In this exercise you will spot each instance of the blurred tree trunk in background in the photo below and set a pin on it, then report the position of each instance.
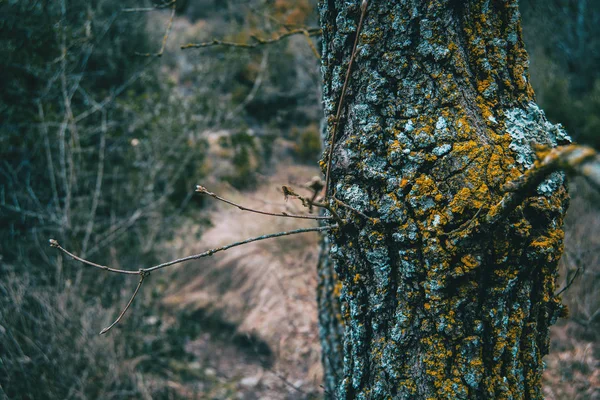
(563, 38)
(438, 116)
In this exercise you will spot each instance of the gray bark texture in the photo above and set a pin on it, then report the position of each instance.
(422, 297)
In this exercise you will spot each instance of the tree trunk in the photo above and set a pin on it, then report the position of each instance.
(438, 117)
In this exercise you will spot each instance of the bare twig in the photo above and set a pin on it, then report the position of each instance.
(54, 243)
(290, 27)
(137, 289)
(203, 190)
(143, 273)
(311, 44)
(97, 106)
(229, 246)
(166, 35)
(568, 285)
(148, 9)
(363, 11)
(49, 160)
(207, 253)
(259, 41)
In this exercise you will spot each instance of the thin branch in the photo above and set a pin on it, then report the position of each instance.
(51, 173)
(311, 45)
(574, 159)
(352, 209)
(568, 285)
(259, 41)
(55, 244)
(207, 253)
(98, 187)
(148, 9)
(226, 247)
(203, 190)
(137, 289)
(117, 92)
(289, 27)
(255, 87)
(363, 11)
(165, 37)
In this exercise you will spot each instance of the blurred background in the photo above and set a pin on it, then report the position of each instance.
(107, 126)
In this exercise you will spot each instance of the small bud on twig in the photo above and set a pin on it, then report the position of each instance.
(53, 243)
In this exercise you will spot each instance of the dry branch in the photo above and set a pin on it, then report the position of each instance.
(166, 35)
(573, 159)
(203, 190)
(363, 11)
(135, 292)
(258, 41)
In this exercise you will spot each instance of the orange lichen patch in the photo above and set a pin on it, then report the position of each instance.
(395, 146)
(337, 289)
(434, 356)
(483, 85)
(467, 264)
(548, 245)
(486, 107)
(495, 172)
(403, 183)
(469, 148)
(377, 236)
(467, 198)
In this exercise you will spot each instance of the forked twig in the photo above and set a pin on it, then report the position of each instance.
(203, 190)
(306, 202)
(144, 272)
(570, 281)
(363, 11)
(207, 253)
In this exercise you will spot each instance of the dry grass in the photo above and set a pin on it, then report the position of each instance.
(265, 289)
(574, 360)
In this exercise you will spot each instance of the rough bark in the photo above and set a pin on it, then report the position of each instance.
(438, 117)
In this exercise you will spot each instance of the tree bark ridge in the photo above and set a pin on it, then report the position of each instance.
(439, 115)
